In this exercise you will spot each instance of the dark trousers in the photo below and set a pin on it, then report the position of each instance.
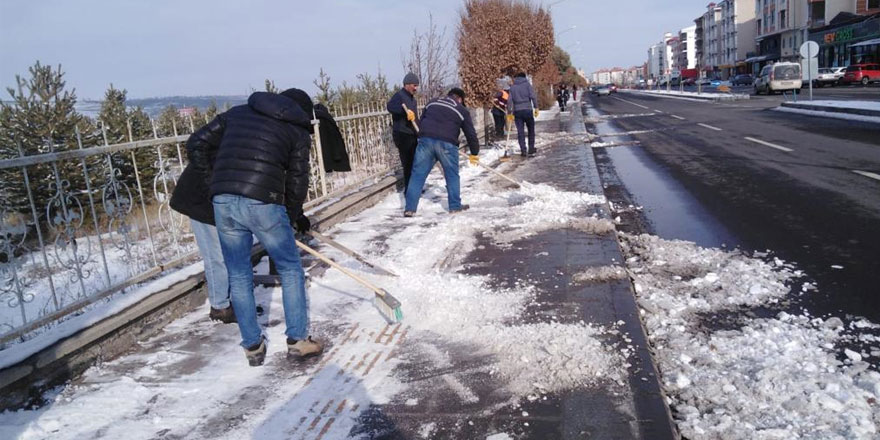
(498, 115)
(527, 118)
(561, 104)
(406, 148)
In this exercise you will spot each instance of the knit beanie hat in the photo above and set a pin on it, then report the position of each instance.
(410, 78)
(300, 97)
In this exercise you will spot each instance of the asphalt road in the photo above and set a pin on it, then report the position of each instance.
(797, 185)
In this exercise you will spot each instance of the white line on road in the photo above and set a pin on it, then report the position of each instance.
(768, 144)
(677, 117)
(657, 111)
(630, 102)
(708, 126)
(867, 174)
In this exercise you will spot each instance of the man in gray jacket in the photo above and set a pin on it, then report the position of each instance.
(523, 105)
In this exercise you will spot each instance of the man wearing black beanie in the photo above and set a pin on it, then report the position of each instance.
(402, 131)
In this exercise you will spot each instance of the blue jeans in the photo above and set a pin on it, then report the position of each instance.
(238, 220)
(428, 152)
(215, 270)
(527, 118)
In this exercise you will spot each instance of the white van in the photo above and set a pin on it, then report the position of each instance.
(778, 77)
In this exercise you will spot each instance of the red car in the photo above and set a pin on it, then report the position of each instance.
(861, 73)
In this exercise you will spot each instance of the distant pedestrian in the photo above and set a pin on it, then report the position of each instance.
(561, 96)
(402, 131)
(499, 107)
(574, 92)
(444, 119)
(524, 107)
(259, 182)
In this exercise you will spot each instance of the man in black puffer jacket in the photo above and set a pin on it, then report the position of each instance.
(259, 182)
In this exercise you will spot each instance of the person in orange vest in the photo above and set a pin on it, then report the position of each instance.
(499, 107)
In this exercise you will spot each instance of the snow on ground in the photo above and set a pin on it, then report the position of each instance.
(769, 378)
(836, 115)
(861, 105)
(694, 95)
(193, 381)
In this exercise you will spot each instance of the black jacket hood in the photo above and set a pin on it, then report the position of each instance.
(279, 107)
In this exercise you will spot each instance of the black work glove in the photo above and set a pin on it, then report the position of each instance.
(302, 224)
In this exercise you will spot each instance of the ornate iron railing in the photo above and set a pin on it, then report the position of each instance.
(107, 227)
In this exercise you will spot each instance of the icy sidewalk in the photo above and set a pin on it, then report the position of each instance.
(519, 322)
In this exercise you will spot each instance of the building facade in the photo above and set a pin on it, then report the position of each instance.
(686, 49)
(737, 36)
(847, 38)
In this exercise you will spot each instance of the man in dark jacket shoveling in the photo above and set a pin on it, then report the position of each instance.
(441, 123)
(259, 183)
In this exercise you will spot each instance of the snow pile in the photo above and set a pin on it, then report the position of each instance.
(854, 104)
(599, 274)
(463, 309)
(778, 378)
(835, 115)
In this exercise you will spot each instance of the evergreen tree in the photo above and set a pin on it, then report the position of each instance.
(270, 86)
(41, 118)
(121, 125)
(211, 112)
(326, 94)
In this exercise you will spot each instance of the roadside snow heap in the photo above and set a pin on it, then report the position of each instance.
(776, 378)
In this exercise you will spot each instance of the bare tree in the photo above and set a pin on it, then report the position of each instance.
(431, 59)
(500, 37)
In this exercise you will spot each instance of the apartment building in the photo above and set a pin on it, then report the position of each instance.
(847, 31)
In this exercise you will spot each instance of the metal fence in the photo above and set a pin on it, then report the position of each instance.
(94, 233)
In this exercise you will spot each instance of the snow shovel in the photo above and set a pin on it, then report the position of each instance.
(506, 157)
(414, 123)
(388, 305)
(497, 173)
(328, 241)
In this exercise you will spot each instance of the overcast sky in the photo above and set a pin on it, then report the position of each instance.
(200, 47)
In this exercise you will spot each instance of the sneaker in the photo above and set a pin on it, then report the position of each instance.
(532, 153)
(463, 208)
(256, 354)
(226, 316)
(409, 213)
(304, 348)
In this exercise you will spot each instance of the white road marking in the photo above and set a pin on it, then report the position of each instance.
(630, 102)
(768, 144)
(708, 126)
(677, 117)
(657, 111)
(868, 174)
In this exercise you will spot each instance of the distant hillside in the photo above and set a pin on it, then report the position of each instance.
(154, 106)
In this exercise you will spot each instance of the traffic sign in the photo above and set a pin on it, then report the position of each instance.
(809, 49)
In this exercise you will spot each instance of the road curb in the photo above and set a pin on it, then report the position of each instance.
(656, 421)
(831, 109)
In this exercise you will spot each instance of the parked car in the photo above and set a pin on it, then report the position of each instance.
(704, 81)
(778, 77)
(861, 73)
(689, 81)
(613, 88)
(829, 76)
(743, 79)
(602, 91)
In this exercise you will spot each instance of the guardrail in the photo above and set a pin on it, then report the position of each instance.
(97, 221)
